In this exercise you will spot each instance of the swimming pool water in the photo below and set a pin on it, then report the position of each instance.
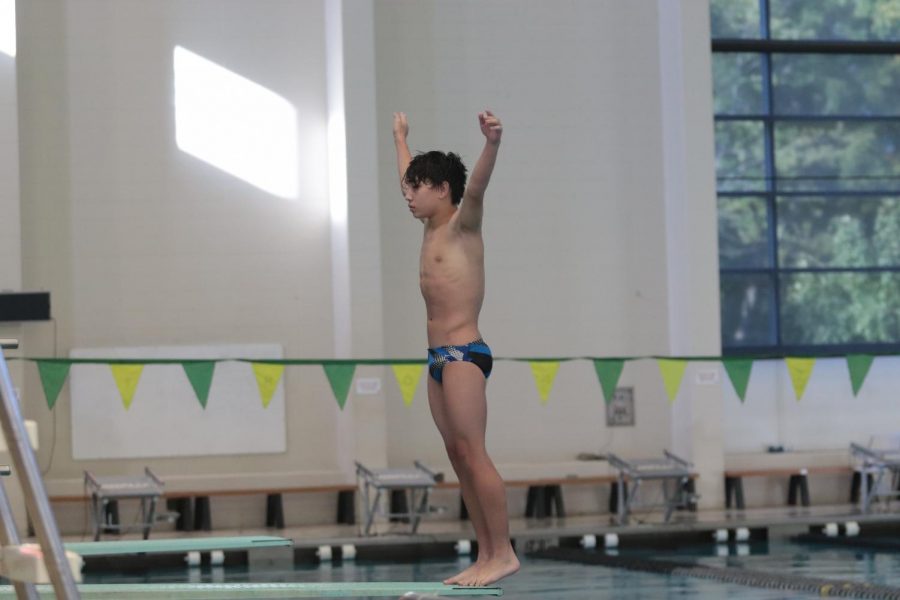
(566, 581)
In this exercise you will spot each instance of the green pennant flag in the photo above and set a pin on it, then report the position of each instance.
(127, 377)
(340, 376)
(800, 369)
(53, 376)
(672, 373)
(858, 365)
(738, 370)
(608, 372)
(200, 375)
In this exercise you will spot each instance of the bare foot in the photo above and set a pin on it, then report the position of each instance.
(492, 571)
(464, 574)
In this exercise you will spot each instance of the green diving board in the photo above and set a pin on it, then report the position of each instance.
(176, 545)
(222, 591)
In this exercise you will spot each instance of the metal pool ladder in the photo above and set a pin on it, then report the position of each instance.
(26, 467)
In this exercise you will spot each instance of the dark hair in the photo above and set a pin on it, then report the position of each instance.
(434, 168)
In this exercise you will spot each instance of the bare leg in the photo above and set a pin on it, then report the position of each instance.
(464, 417)
(476, 517)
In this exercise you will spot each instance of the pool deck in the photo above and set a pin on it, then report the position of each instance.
(640, 525)
(444, 534)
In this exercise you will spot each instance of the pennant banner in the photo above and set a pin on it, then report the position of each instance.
(53, 377)
(858, 365)
(127, 377)
(340, 376)
(200, 375)
(53, 373)
(608, 373)
(408, 377)
(800, 370)
(672, 374)
(267, 378)
(738, 370)
(544, 373)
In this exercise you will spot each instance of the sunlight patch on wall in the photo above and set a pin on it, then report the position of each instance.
(8, 27)
(235, 124)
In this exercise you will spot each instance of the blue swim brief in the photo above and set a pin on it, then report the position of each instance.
(477, 353)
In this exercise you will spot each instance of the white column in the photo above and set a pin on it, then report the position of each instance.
(356, 244)
(10, 220)
(692, 237)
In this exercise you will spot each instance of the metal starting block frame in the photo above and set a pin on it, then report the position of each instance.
(418, 482)
(103, 490)
(884, 467)
(672, 472)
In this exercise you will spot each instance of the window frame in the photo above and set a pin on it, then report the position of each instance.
(766, 47)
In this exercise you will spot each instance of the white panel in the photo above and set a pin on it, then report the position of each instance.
(165, 417)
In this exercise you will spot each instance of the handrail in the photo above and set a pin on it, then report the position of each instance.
(26, 466)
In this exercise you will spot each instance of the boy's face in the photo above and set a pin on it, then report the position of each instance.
(425, 199)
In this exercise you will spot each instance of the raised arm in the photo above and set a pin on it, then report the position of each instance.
(401, 130)
(472, 207)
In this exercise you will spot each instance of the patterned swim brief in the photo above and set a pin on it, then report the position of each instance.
(477, 353)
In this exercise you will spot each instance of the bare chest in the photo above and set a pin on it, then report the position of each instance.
(442, 252)
(448, 260)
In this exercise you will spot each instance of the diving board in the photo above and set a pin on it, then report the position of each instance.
(177, 545)
(228, 591)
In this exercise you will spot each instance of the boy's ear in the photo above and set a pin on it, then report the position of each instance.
(445, 189)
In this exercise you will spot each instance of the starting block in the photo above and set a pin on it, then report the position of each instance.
(103, 490)
(418, 482)
(671, 471)
(882, 465)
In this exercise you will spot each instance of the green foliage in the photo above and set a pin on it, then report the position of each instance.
(743, 233)
(837, 231)
(734, 18)
(740, 156)
(835, 19)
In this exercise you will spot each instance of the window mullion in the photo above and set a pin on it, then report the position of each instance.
(771, 184)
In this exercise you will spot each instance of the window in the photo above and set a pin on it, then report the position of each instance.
(807, 114)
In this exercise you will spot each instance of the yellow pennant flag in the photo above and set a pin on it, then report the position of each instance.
(672, 373)
(267, 378)
(800, 370)
(408, 377)
(126, 377)
(544, 372)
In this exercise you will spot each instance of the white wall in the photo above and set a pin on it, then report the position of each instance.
(827, 417)
(142, 243)
(691, 237)
(157, 247)
(575, 217)
(600, 222)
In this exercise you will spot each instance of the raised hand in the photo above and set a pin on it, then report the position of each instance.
(490, 126)
(401, 127)
(401, 130)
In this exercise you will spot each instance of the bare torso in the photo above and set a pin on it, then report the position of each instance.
(451, 277)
